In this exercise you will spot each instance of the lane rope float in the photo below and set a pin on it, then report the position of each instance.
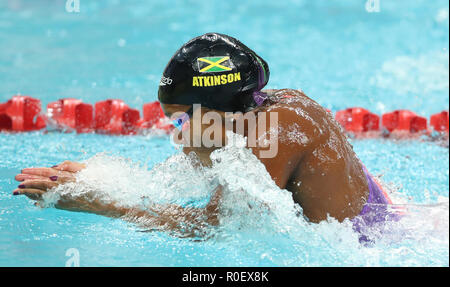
(114, 116)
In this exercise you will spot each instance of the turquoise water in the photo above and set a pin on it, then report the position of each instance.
(335, 51)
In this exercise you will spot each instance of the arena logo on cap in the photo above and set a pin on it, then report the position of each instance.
(165, 81)
(214, 64)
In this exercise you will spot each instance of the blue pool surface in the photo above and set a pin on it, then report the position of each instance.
(335, 51)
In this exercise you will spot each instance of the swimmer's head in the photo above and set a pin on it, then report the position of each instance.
(216, 71)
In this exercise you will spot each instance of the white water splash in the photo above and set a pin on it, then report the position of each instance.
(259, 218)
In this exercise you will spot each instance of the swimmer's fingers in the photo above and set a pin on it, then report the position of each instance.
(22, 177)
(70, 166)
(62, 179)
(58, 179)
(31, 193)
(46, 172)
(43, 184)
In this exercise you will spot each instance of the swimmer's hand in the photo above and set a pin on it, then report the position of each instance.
(38, 180)
(35, 182)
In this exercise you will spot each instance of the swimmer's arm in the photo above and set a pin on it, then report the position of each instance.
(289, 151)
(174, 217)
(35, 182)
(168, 215)
(164, 216)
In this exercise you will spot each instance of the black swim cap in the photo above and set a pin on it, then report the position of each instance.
(216, 71)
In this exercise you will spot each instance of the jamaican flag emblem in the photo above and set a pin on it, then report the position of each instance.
(214, 64)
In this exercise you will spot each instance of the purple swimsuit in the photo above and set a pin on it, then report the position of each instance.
(375, 212)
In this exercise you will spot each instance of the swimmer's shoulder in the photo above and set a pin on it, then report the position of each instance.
(293, 100)
(276, 95)
(294, 107)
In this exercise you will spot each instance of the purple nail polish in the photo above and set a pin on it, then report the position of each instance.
(54, 166)
(15, 193)
(22, 186)
(53, 178)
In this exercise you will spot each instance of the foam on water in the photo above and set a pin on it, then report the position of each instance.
(258, 216)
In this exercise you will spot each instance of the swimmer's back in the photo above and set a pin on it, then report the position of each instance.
(315, 161)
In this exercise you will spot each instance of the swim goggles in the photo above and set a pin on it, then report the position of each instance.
(181, 120)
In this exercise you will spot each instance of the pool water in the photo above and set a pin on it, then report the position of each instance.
(335, 51)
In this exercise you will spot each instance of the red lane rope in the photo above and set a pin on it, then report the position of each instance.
(23, 113)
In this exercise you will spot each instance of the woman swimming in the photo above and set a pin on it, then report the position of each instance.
(215, 76)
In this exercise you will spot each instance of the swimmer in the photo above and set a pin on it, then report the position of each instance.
(314, 160)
